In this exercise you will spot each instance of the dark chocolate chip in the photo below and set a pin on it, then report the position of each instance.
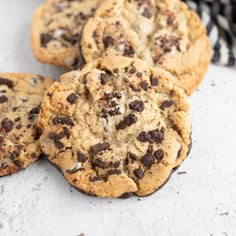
(75, 170)
(153, 136)
(19, 126)
(139, 173)
(132, 70)
(128, 120)
(66, 132)
(133, 157)
(116, 164)
(147, 160)
(58, 144)
(139, 75)
(129, 51)
(166, 104)
(95, 178)
(63, 120)
(33, 155)
(159, 154)
(154, 81)
(137, 106)
(45, 39)
(17, 119)
(121, 125)
(38, 133)
(19, 163)
(114, 172)
(144, 85)
(146, 13)
(104, 77)
(34, 111)
(81, 157)
(7, 125)
(108, 41)
(101, 164)
(3, 99)
(6, 82)
(56, 136)
(72, 98)
(99, 147)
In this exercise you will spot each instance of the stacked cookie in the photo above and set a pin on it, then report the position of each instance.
(119, 125)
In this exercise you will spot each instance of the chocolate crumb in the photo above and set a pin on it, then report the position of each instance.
(182, 173)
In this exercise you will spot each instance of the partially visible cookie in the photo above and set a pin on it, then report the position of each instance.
(20, 100)
(56, 30)
(163, 33)
(115, 127)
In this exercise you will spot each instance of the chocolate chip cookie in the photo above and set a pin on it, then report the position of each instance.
(163, 33)
(115, 127)
(56, 30)
(20, 100)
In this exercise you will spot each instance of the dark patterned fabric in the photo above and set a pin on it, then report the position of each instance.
(219, 17)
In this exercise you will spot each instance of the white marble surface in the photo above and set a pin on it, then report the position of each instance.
(38, 201)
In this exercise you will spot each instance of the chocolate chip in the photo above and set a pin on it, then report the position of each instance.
(33, 155)
(6, 82)
(108, 41)
(137, 106)
(154, 81)
(58, 144)
(81, 157)
(19, 163)
(116, 164)
(45, 39)
(72, 98)
(38, 133)
(99, 147)
(56, 136)
(159, 154)
(133, 157)
(17, 119)
(129, 51)
(34, 111)
(71, 39)
(146, 13)
(63, 120)
(166, 104)
(144, 85)
(139, 173)
(139, 75)
(147, 160)
(7, 125)
(66, 132)
(101, 164)
(75, 170)
(19, 126)
(128, 120)
(132, 70)
(3, 99)
(153, 136)
(104, 77)
(95, 178)
(114, 172)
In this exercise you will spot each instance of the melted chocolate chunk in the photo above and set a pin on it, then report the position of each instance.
(45, 39)
(159, 154)
(114, 172)
(63, 120)
(104, 77)
(137, 106)
(108, 41)
(3, 99)
(139, 173)
(153, 136)
(7, 125)
(154, 81)
(144, 85)
(6, 82)
(72, 98)
(81, 157)
(95, 178)
(129, 51)
(147, 160)
(99, 147)
(166, 104)
(101, 164)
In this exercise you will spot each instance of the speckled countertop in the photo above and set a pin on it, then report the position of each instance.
(200, 202)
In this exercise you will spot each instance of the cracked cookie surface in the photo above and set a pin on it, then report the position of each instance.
(56, 30)
(20, 100)
(163, 33)
(115, 127)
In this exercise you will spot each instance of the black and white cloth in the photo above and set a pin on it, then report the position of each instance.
(219, 17)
